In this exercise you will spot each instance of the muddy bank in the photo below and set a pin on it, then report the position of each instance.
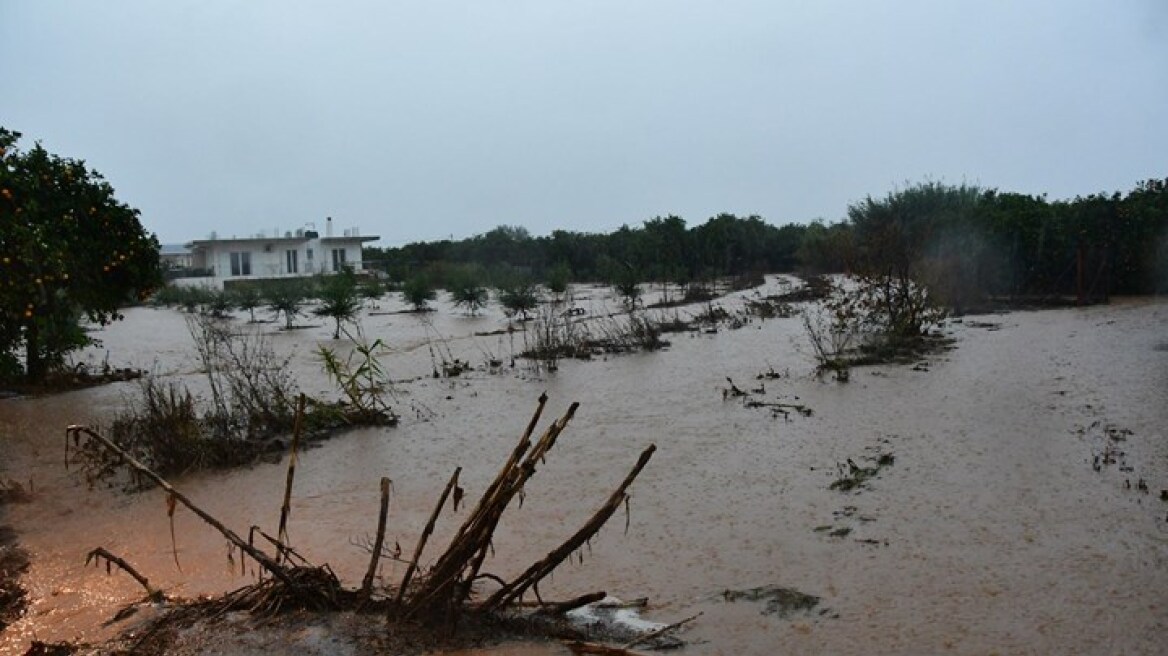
(991, 531)
(13, 560)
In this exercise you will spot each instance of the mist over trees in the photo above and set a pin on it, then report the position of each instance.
(964, 243)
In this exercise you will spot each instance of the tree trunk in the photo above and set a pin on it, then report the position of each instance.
(34, 365)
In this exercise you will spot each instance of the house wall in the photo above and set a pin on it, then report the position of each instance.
(269, 258)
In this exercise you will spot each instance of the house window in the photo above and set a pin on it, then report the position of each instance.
(293, 258)
(241, 264)
(338, 259)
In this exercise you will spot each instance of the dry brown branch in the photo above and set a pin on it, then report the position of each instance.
(516, 454)
(367, 584)
(582, 648)
(561, 607)
(539, 570)
(282, 532)
(289, 552)
(263, 559)
(660, 632)
(413, 566)
(448, 585)
(100, 553)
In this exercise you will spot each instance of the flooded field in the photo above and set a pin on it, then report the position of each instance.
(990, 527)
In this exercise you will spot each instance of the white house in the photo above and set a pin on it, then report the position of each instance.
(301, 253)
(174, 256)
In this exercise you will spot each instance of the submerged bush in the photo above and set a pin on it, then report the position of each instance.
(870, 320)
(164, 430)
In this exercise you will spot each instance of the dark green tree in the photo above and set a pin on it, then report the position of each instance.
(340, 299)
(418, 293)
(286, 297)
(470, 296)
(628, 286)
(247, 297)
(558, 278)
(518, 298)
(913, 247)
(68, 248)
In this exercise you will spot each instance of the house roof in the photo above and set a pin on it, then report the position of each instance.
(173, 249)
(362, 238)
(204, 243)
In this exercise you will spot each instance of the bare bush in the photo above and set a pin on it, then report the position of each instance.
(252, 391)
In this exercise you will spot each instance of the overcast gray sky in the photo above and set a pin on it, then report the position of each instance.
(422, 120)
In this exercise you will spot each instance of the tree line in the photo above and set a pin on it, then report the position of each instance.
(70, 250)
(970, 243)
(662, 249)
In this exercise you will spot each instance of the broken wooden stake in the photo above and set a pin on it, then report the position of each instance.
(282, 532)
(367, 584)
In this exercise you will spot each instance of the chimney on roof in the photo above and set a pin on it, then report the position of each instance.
(328, 227)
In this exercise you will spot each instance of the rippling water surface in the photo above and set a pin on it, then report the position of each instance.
(991, 532)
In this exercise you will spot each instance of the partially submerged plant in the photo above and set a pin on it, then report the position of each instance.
(519, 298)
(340, 299)
(418, 293)
(286, 297)
(361, 378)
(470, 296)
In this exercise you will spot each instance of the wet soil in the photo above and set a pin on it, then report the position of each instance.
(13, 560)
(992, 531)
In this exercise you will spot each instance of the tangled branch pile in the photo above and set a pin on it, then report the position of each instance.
(436, 596)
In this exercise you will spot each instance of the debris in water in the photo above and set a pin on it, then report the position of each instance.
(780, 601)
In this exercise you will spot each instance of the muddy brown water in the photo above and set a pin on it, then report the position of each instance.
(991, 532)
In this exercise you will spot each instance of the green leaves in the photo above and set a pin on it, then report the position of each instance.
(68, 245)
(340, 299)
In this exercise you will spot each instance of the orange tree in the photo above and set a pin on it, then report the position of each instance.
(68, 249)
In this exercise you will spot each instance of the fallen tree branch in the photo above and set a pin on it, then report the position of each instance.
(562, 607)
(413, 566)
(539, 570)
(100, 553)
(582, 648)
(448, 585)
(660, 632)
(260, 557)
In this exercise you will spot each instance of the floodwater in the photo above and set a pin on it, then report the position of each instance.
(992, 532)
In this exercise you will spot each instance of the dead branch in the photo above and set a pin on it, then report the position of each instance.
(660, 632)
(260, 557)
(282, 532)
(449, 583)
(100, 553)
(582, 648)
(401, 591)
(289, 552)
(561, 607)
(367, 584)
(641, 602)
(539, 570)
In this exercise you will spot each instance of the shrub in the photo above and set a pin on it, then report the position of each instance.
(418, 293)
(339, 299)
(286, 297)
(518, 298)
